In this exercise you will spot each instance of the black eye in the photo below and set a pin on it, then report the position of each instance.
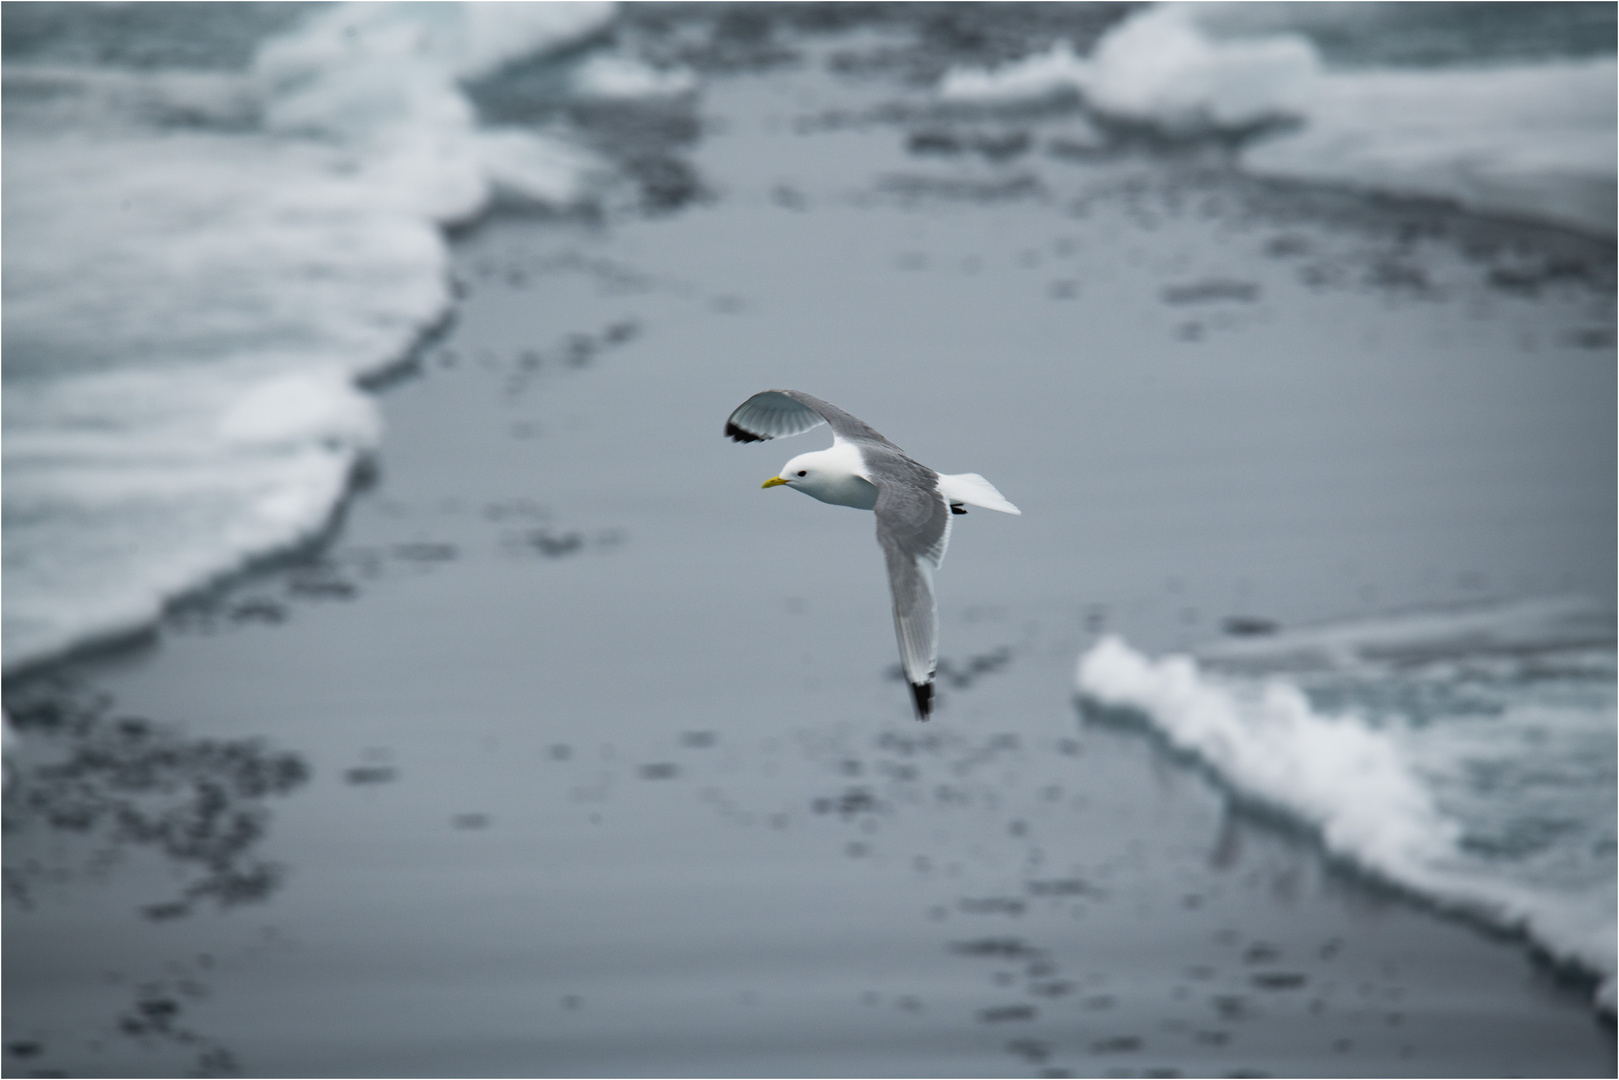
(802, 472)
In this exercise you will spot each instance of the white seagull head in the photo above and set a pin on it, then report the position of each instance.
(834, 475)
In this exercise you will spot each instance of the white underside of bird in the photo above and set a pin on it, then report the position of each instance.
(913, 505)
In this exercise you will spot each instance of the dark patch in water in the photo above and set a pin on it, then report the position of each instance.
(1029, 1049)
(992, 905)
(258, 609)
(148, 36)
(515, 509)
(1282, 247)
(962, 676)
(996, 146)
(916, 186)
(1064, 887)
(1081, 150)
(907, 744)
(1211, 290)
(622, 332)
(1001, 1014)
(1261, 952)
(1248, 626)
(1008, 947)
(126, 783)
(1529, 280)
(1601, 337)
(660, 770)
(1004, 146)
(933, 142)
(155, 1017)
(1054, 988)
(370, 774)
(851, 802)
(667, 183)
(1390, 273)
(1280, 980)
(322, 587)
(578, 350)
(554, 545)
(788, 197)
(425, 551)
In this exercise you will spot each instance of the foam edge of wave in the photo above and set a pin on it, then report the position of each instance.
(1203, 721)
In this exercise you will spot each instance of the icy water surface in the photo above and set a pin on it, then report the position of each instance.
(570, 751)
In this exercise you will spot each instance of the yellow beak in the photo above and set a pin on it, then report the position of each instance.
(774, 481)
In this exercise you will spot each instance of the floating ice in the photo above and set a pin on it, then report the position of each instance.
(1351, 783)
(1043, 75)
(198, 267)
(611, 76)
(1534, 140)
(1474, 767)
(1157, 67)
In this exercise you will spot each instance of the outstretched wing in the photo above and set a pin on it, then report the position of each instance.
(913, 529)
(775, 414)
(913, 517)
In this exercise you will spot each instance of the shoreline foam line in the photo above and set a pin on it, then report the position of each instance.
(1534, 139)
(195, 301)
(1353, 785)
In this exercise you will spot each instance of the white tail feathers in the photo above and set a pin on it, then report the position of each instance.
(974, 490)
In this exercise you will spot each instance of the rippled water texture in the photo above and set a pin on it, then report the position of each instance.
(520, 732)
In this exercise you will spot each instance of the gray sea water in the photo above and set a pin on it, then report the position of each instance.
(230, 225)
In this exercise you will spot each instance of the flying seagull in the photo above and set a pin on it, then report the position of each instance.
(914, 505)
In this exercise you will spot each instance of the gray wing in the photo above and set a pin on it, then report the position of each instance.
(913, 529)
(774, 414)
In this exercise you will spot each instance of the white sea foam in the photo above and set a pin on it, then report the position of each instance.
(198, 474)
(1350, 782)
(384, 80)
(612, 76)
(198, 267)
(1487, 789)
(1534, 140)
(1158, 67)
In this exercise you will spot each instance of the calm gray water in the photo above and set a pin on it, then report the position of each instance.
(567, 750)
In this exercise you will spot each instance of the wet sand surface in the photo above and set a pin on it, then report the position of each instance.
(574, 753)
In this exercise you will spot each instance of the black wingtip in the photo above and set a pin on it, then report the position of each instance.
(741, 436)
(923, 694)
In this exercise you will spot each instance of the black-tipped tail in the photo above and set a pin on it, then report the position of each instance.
(922, 693)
